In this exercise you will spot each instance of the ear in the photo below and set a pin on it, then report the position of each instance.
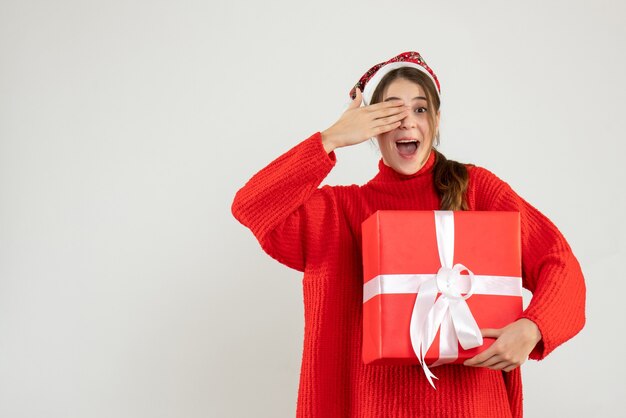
(437, 120)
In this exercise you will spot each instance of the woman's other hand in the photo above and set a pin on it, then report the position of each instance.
(512, 346)
(357, 124)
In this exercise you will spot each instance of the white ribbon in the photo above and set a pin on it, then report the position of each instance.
(386, 284)
(449, 313)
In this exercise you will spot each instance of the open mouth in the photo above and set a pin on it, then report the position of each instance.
(407, 147)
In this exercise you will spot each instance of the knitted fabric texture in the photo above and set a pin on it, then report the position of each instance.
(317, 230)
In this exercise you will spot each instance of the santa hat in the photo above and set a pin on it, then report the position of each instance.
(368, 82)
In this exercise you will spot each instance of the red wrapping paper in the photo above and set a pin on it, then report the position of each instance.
(405, 242)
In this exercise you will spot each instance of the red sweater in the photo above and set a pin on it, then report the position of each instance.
(318, 231)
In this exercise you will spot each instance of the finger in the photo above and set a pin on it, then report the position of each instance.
(480, 358)
(488, 357)
(491, 332)
(390, 111)
(501, 365)
(356, 102)
(384, 105)
(490, 361)
(390, 119)
(511, 367)
(384, 128)
(514, 364)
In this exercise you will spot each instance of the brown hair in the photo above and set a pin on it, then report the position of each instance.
(450, 177)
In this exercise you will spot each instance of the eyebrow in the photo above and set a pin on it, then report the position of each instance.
(396, 98)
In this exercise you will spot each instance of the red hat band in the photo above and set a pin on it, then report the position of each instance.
(368, 82)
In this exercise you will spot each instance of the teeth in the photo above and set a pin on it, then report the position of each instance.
(406, 141)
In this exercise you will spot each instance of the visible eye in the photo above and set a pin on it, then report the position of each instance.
(421, 110)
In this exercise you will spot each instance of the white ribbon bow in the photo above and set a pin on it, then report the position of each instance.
(450, 311)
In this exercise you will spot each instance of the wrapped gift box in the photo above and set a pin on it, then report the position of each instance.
(406, 253)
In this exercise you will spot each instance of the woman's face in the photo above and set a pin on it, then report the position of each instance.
(407, 147)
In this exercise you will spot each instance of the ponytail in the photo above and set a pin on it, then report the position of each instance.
(450, 180)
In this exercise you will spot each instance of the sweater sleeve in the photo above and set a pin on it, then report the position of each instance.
(284, 207)
(549, 268)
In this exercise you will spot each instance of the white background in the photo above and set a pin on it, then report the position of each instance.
(127, 288)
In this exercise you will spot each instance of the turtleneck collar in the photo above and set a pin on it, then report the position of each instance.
(386, 173)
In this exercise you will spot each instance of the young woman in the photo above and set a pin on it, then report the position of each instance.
(317, 230)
